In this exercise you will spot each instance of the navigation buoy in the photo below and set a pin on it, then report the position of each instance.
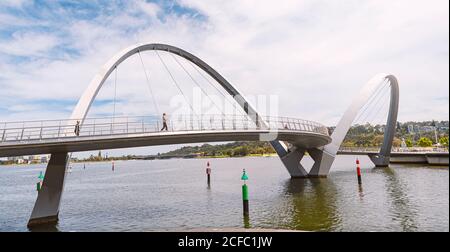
(208, 173)
(358, 171)
(245, 193)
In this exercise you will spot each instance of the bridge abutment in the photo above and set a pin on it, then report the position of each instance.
(380, 160)
(292, 163)
(322, 163)
(46, 207)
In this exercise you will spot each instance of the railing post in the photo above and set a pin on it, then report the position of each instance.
(40, 134)
(4, 132)
(223, 122)
(93, 133)
(234, 122)
(59, 129)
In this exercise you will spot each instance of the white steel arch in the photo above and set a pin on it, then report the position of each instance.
(326, 155)
(85, 102)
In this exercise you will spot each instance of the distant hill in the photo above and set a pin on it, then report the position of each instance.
(234, 149)
(363, 135)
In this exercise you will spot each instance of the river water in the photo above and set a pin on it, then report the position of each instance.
(172, 195)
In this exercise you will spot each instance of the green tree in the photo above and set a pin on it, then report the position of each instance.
(409, 142)
(377, 140)
(241, 151)
(444, 141)
(425, 142)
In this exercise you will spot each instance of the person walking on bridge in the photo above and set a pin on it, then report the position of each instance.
(164, 119)
(77, 128)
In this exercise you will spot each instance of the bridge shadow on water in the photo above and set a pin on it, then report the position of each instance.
(313, 202)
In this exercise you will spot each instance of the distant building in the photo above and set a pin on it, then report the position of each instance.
(443, 128)
(15, 159)
(44, 158)
(427, 129)
(411, 129)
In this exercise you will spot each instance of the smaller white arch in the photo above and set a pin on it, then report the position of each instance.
(360, 100)
(324, 158)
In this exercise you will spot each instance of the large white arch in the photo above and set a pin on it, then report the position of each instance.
(85, 102)
(96, 83)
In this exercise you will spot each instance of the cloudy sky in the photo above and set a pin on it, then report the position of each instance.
(313, 54)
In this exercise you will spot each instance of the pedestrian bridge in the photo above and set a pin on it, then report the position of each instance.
(291, 138)
(53, 136)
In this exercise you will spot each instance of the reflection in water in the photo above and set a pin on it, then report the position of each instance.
(246, 219)
(314, 204)
(360, 192)
(401, 207)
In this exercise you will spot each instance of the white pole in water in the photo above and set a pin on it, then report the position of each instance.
(435, 135)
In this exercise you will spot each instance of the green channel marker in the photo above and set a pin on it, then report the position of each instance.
(245, 193)
(41, 177)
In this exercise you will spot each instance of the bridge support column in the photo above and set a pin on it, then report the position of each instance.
(380, 160)
(291, 161)
(322, 163)
(46, 208)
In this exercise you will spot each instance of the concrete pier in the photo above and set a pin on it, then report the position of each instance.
(420, 158)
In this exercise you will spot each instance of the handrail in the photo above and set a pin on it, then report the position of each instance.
(108, 126)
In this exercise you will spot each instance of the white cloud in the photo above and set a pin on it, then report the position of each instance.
(13, 3)
(28, 44)
(150, 9)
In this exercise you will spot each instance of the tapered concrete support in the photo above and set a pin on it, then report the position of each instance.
(322, 163)
(46, 208)
(292, 163)
(380, 160)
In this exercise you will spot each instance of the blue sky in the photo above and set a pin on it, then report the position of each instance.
(312, 54)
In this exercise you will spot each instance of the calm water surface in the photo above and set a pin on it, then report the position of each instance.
(163, 195)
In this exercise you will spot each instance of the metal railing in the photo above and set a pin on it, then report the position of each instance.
(375, 149)
(110, 126)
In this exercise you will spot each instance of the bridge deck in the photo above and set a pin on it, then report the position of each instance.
(86, 143)
(43, 137)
